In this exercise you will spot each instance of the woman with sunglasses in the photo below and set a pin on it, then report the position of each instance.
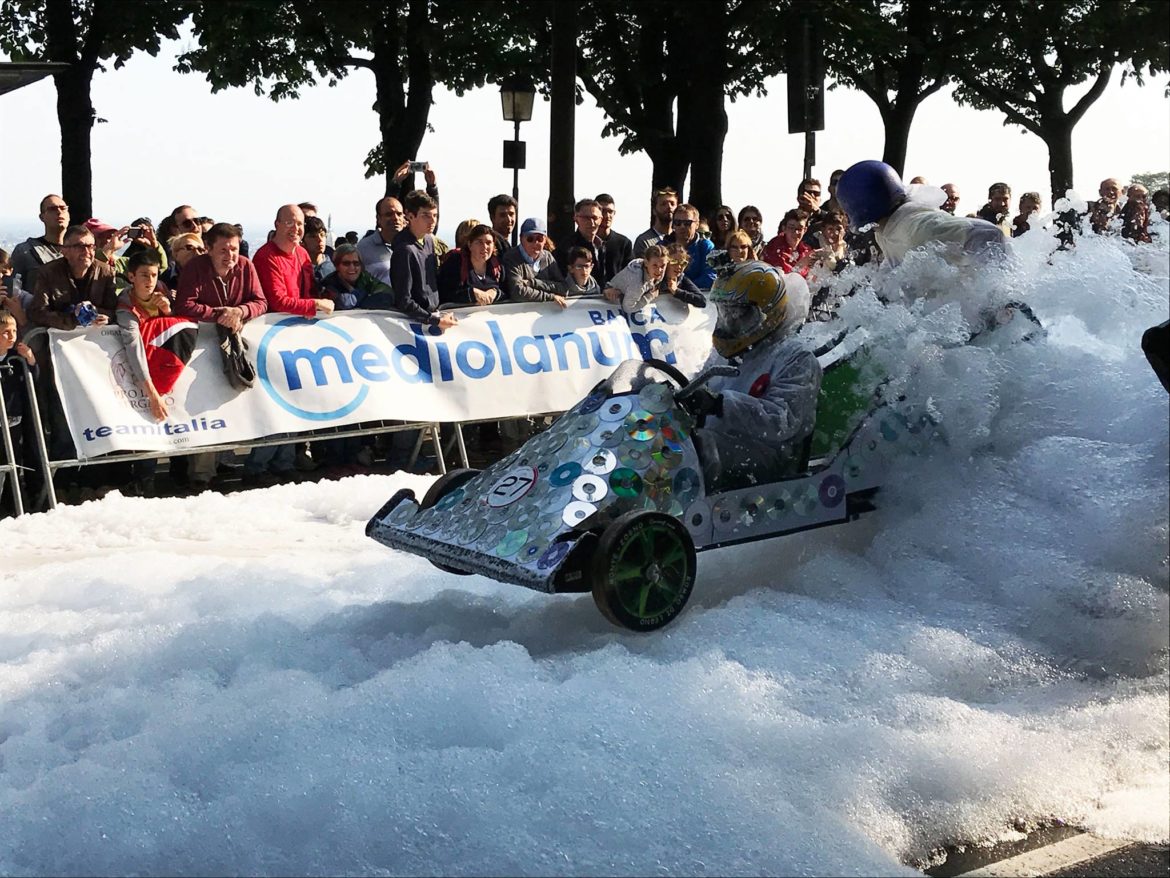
(752, 222)
(183, 249)
(722, 224)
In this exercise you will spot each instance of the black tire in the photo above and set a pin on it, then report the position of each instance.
(643, 570)
(444, 484)
(673, 372)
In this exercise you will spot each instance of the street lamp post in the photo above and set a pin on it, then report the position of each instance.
(516, 98)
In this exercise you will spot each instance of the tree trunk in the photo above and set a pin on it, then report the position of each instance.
(75, 114)
(897, 121)
(702, 116)
(670, 163)
(403, 113)
(75, 117)
(562, 116)
(1058, 137)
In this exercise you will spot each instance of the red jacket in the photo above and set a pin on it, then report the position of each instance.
(778, 253)
(200, 290)
(287, 279)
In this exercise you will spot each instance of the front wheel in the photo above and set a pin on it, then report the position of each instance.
(643, 570)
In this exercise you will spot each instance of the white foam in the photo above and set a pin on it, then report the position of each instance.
(247, 684)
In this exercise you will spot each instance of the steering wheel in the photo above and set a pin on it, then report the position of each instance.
(672, 372)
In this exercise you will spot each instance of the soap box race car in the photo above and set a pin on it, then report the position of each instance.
(611, 498)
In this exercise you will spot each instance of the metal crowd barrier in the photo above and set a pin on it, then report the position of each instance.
(427, 430)
(10, 469)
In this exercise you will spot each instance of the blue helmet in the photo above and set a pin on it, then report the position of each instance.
(870, 191)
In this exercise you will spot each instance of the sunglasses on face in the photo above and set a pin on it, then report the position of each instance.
(532, 239)
(682, 263)
(189, 223)
(682, 222)
(193, 248)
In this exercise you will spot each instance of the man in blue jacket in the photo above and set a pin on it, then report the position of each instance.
(685, 231)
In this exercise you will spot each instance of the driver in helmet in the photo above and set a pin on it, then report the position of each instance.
(753, 427)
(872, 192)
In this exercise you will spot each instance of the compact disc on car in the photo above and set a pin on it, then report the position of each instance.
(511, 486)
(583, 425)
(779, 505)
(524, 517)
(554, 442)
(667, 455)
(449, 499)
(831, 491)
(402, 512)
(471, 530)
(511, 543)
(673, 431)
(553, 555)
(804, 501)
(565, 474)
(656, 398)
(603, 461)
(635, 457)
(751, 508)
(589, 488)
(577, 511)
(641, 425)
(616, 409)
(604, 435)
(686, 485)
(625, 482)
(592, 403)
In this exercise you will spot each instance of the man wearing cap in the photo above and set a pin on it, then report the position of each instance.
(530, 271)
(110, 239)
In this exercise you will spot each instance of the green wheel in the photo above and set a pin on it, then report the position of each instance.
(445, 484)
(643, 570)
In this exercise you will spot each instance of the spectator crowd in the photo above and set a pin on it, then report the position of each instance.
(160, 282)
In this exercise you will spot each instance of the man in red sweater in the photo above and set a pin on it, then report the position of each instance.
(286, 271)
(787, 251)
(286, 275)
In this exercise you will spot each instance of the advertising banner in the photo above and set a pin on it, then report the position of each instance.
(358, 366)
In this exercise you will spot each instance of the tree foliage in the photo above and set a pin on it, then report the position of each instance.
(87, 35)
(660, 72)
(1023, 58)
(895, 53)
(409, 48)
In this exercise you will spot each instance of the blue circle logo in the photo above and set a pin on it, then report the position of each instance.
(262, 371)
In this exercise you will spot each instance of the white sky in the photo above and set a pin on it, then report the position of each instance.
(236, 156)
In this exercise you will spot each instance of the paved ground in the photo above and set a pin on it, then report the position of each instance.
(1057, 852)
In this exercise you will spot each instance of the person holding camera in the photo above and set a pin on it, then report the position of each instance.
(109, 240)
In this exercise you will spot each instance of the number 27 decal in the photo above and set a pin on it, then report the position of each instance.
(511, 486)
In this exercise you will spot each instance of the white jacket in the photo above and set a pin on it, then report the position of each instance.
(914, 224)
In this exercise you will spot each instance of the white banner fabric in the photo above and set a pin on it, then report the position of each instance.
(499, 362)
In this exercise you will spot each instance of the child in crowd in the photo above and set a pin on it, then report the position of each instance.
(580, 281)
(636, 285)
(157, 345)
(5, 270)
(12, 386)
(675, 282)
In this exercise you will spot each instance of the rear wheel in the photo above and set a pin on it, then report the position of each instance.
(442, 486)
(643, 570)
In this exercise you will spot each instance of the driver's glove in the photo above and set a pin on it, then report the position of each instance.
(703, 402)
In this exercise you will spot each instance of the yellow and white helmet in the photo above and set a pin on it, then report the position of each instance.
(752, 301)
